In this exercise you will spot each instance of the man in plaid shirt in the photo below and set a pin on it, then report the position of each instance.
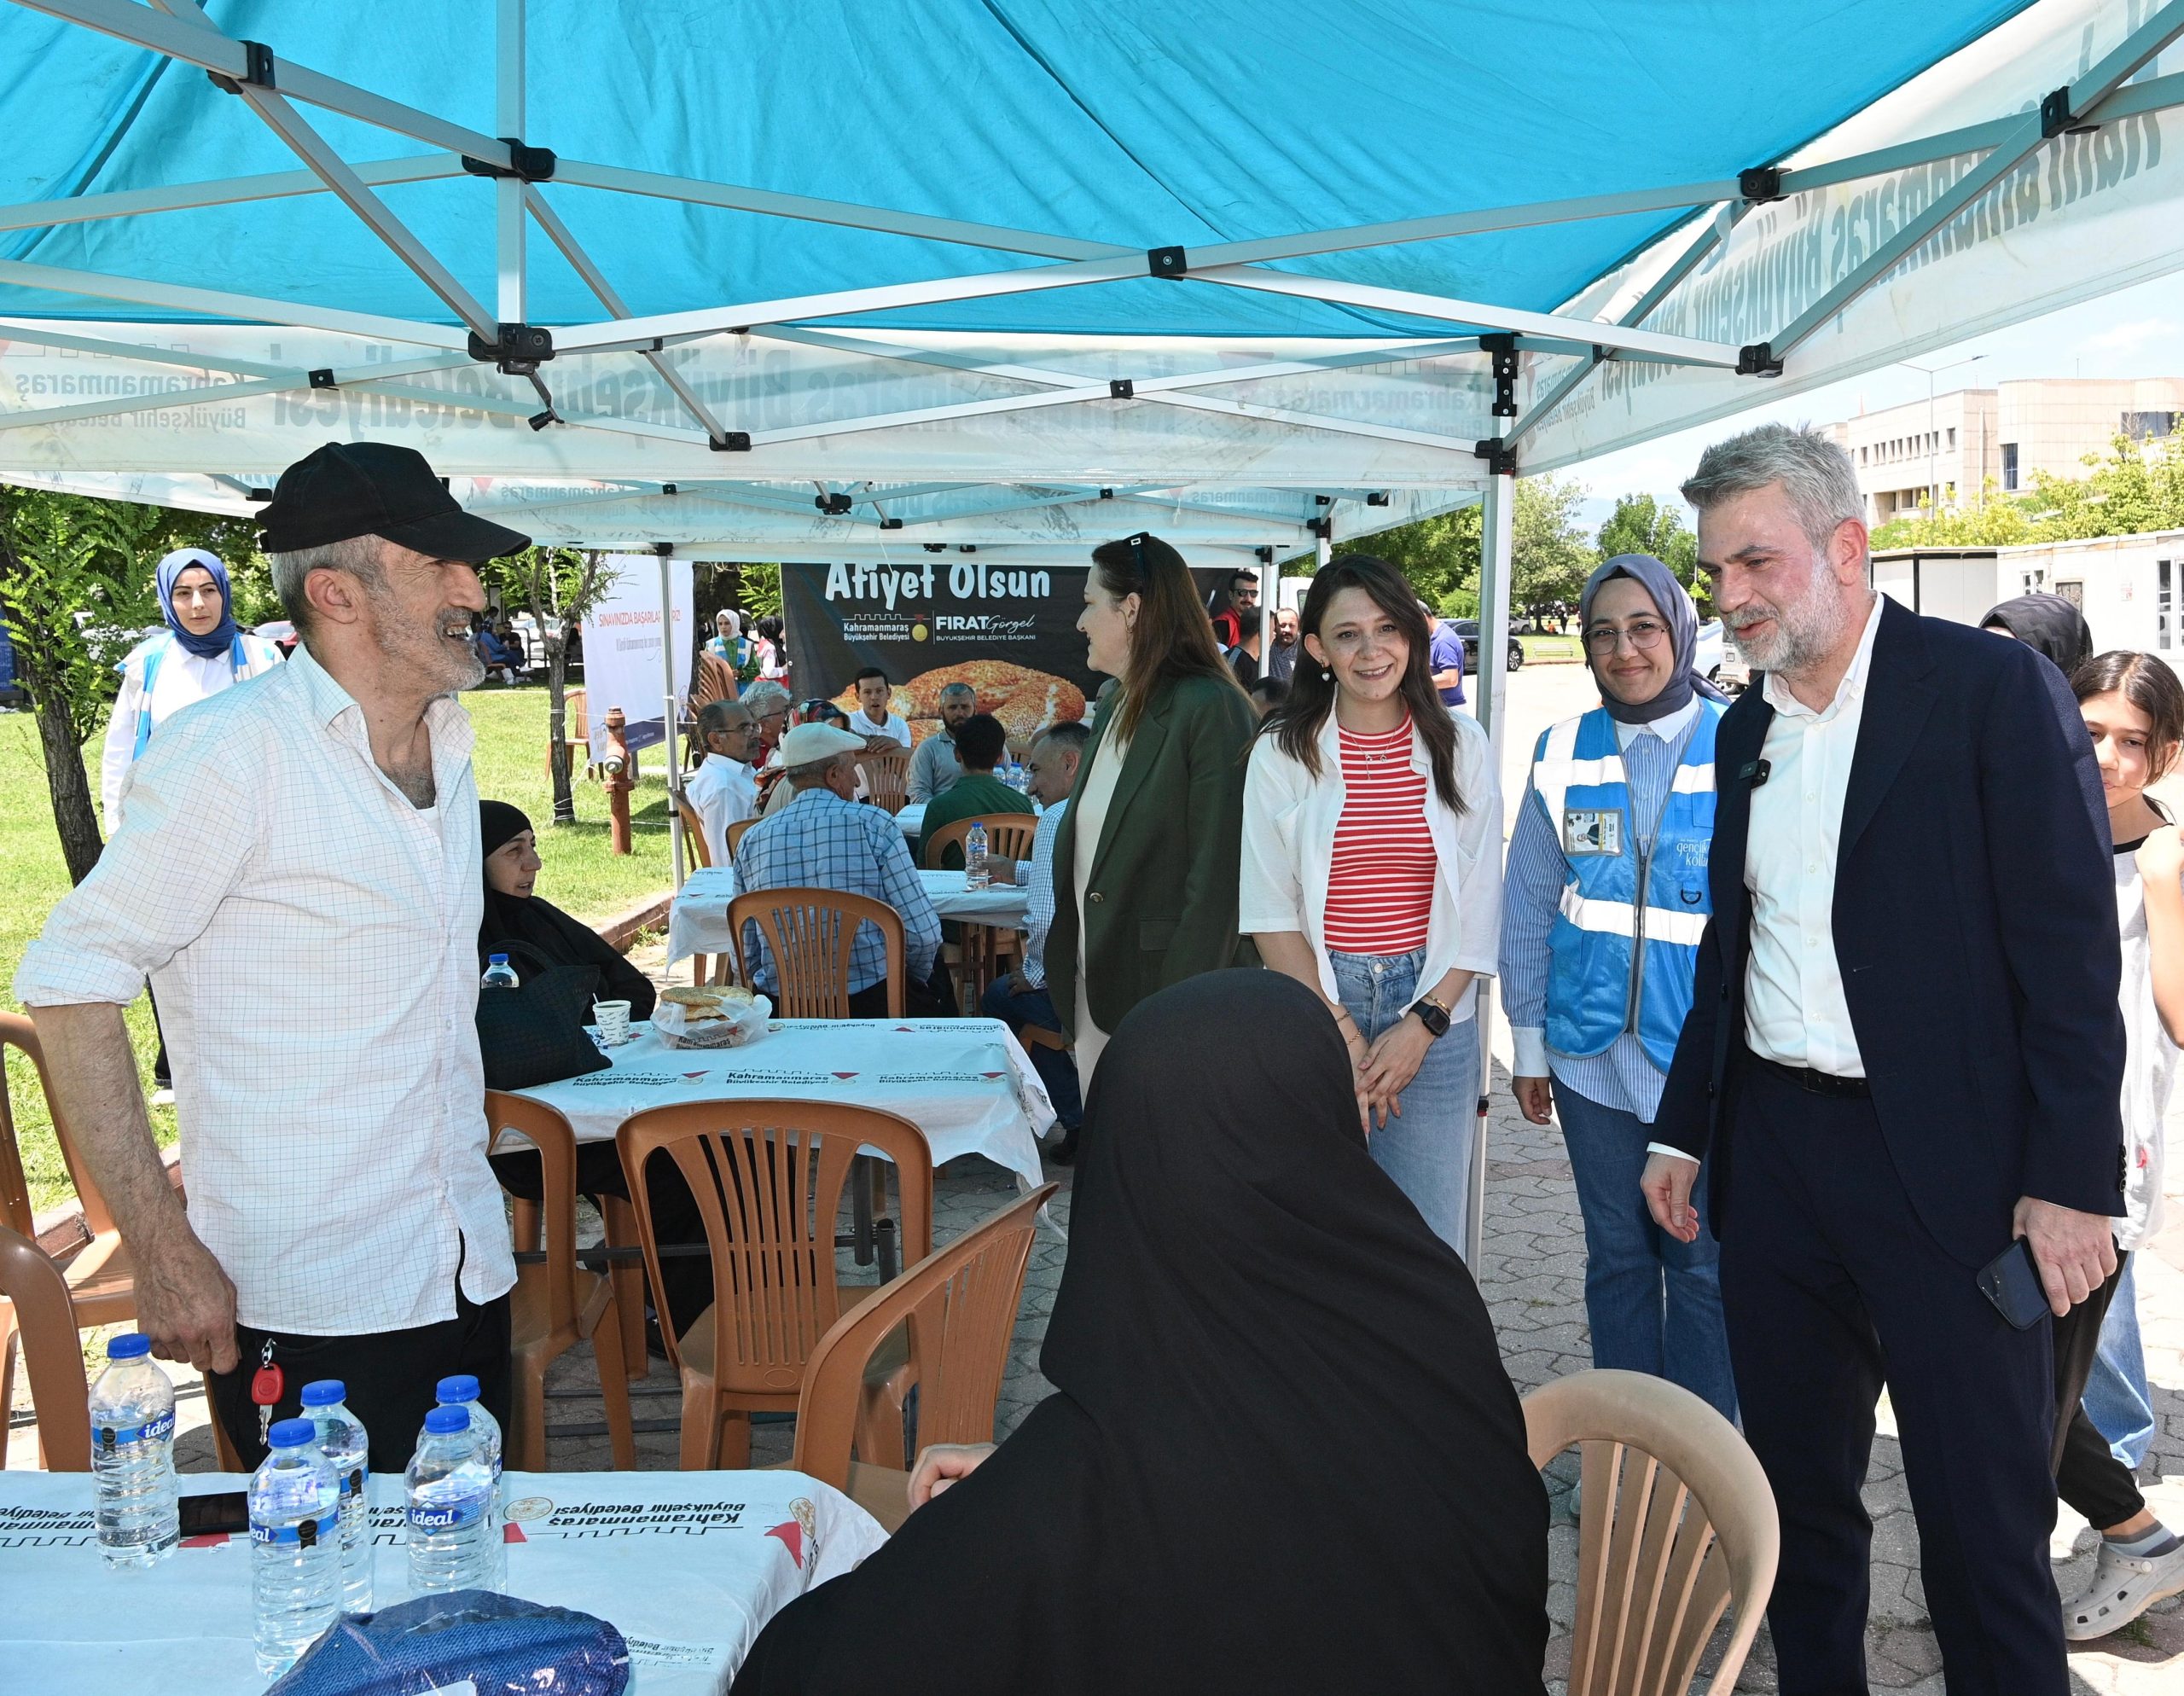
(824, 839)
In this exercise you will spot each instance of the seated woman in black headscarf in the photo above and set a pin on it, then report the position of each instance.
(2047, 625)
(513, 914)
(1281, 1455)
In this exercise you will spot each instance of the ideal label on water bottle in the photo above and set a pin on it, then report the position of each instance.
(310, 1533)
(448, 1516)
(109, 1437)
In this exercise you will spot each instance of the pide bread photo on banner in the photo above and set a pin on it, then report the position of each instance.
(1009, 631)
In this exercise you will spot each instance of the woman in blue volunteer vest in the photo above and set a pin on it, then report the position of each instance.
(199, 654)
(1603, 903)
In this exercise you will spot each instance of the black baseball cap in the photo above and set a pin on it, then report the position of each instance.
(350, 488)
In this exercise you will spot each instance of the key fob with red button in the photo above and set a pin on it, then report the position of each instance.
(265, 1386)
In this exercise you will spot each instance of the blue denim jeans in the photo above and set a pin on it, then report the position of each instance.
(1654, 1303)
(2117, 1399)
(1057, 1070)
(1427, 1150)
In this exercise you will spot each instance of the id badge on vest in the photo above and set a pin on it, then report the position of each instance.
(1595, 832)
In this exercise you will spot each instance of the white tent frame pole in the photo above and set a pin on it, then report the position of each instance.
(2023, 137)
(275, 185)
(595, 280)
(220, 304)
(1495, 563)
(209, 50)
(508, 192)
(670, 714)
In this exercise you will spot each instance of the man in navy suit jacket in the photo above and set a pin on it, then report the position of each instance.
(1904, 1051)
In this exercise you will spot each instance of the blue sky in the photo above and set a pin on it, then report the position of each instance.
(2136, 333)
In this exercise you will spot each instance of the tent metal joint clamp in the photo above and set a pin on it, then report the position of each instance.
(1760, 184)
(1758, 359)
(1501, 458)
(1169, 262)
(518, 350)
(530, 165)
(1121, 388)
(257, 69)
(2056, 118)
(734, 441)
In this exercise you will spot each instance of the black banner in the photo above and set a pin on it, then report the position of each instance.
(1009, 631)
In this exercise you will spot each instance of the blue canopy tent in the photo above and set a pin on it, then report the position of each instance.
(847, 279)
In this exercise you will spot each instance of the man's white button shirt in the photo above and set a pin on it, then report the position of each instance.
(313, 940)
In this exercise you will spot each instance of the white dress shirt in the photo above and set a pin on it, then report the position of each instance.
(180, 679)
(893, 725)
(1794, 1010)
(313, 940)
(725, 791)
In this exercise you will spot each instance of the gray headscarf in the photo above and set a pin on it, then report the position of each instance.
(1674, 604)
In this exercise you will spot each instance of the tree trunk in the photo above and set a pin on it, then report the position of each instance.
(74, 817)
(557, 724)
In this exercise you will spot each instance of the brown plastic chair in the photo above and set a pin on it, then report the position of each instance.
(713, 680)
(557, 1303)
(576, 732)
(810, 932)
(693, 831)
(960, 1305)
(100, 1281)
(36, 1303)
(768, 1177)
(1008, 837)
(887, 778)
(734, 835)
(1679, 1526)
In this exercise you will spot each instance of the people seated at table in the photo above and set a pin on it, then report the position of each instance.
(824, 839)
(779, 794)
(981, 744)
(1281, 1453)
(934, 766)
(544, 937)
(724, 788)
(500, 656)
(1022, 997)
(770, 704)
(872, 720)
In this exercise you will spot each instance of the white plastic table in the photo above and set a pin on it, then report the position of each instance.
(688, 1566)
(697, 920)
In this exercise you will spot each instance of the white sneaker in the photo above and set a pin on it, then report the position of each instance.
(2124, 1586)
(163, 1097)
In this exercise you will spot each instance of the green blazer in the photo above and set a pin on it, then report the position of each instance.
(1161, 905)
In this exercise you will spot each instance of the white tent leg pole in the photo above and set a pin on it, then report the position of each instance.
(509, 218)
(1495, 539)
(671, 711)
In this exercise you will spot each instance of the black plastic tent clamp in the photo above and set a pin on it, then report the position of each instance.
(1758, 359)
(518, 350)
(891, 524)
(734, 442)
(834, 506)
(526, 163)
(1168, 262)
(1503, 345)
(257, 72)
(2056, 118)
(1760, 184)
(322, 378)
(1121, 388)
(1501, 458)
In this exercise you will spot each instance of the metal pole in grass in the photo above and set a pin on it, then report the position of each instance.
(670, 712)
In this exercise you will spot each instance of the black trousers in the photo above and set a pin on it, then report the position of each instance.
(1832, 1287)
(2088, 1474)
(390, 1377)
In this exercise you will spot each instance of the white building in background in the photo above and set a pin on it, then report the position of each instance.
(1947, 450)
(2127, 586)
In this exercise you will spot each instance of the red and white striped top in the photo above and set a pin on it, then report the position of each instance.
(1380, 884)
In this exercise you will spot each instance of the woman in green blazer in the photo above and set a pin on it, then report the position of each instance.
(1145, 863)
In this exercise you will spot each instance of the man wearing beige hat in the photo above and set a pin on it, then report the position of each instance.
(824, 839)
(297, 870)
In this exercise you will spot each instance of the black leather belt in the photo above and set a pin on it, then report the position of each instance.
(1815, 1082)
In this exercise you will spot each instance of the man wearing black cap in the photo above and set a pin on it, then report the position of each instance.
(297, 871)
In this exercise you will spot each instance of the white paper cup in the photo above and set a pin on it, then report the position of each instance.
(613, 1017)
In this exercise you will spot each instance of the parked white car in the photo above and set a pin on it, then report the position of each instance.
(1706, 658)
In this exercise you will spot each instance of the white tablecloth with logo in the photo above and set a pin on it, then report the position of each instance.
(697, 921)
(965, 1083)
(688, 1566)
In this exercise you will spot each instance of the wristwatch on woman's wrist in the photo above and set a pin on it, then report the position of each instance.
(1432, 1015)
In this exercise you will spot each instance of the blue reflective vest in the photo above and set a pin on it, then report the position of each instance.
(1617, 964)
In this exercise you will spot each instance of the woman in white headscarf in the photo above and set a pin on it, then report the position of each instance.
(200, 653)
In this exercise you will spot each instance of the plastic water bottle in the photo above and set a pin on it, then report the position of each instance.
(295, 1545)
(499, 974)
(347, 1451)
(450, 1509)
(975, 874)
(1016, 778)
(132, 1455)
(461, 1391)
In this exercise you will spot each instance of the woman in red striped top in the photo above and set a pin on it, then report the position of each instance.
(1372, 837)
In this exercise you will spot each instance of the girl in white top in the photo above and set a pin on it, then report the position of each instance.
(1371, 871)
(200, 653)
(2133, 708)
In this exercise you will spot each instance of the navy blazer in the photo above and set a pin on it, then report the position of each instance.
(1975, 926)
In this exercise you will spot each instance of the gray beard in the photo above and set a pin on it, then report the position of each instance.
(1804, 631)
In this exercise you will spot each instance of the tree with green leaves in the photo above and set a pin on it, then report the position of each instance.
(1641, 524)
(2137, 488)
(1550, 558)
(558, 586)
(76, 593)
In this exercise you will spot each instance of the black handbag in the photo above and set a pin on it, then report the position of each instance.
(534, 1033)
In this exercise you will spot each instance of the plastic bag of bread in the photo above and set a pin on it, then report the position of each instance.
(723, 1016)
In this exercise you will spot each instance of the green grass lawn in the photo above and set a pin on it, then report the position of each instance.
(1550, 648)
(581, 876)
